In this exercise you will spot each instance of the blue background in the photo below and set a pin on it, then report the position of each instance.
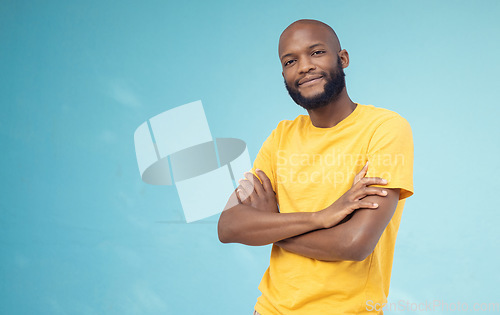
(80, 233)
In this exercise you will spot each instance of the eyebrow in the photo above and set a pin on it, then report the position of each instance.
(310, 47)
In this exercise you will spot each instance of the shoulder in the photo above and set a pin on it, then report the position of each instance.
(379, 117)
(380, 114)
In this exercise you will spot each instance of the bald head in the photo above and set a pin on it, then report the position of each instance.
(311, 26)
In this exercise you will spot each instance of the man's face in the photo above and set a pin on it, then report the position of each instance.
(312, 69)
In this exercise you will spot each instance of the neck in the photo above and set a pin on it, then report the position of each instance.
(330, 115)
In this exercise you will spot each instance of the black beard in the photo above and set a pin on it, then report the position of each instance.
(335, 83)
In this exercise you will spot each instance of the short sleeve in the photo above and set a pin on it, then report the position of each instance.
(266, 158)
(390, 155)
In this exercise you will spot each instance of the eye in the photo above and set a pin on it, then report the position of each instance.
(318, 52)
(289, 62)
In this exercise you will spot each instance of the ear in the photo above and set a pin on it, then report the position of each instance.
(282, 74)
(344, 58)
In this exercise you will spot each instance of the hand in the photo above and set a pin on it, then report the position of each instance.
(261, 196)
(353, 199)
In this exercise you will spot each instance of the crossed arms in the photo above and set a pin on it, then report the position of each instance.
(348, 229)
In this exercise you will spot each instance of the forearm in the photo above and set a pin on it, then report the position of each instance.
(353, 239)
(247, 225)
(320, 245)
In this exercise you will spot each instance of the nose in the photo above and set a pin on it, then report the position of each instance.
(306, 65)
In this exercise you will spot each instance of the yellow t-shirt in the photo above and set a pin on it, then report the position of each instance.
(310, 168)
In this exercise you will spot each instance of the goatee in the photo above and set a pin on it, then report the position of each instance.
(335, 83)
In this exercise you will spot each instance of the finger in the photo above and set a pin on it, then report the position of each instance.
(367, 181)
(367, 204)
(242, 196)
(268, 187)
(361, 174)
(237, 194)
(257, 186)
(369, 191)
(246, 186)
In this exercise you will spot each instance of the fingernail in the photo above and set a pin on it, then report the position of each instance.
(384, 181)
(258, 169)
(384, 192)
(375, 204)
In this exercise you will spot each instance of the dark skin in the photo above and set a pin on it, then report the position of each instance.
(307, 48)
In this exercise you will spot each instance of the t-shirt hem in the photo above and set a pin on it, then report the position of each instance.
(260, 310)
(406, 190)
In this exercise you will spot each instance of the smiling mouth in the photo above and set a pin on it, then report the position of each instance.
(312, 81)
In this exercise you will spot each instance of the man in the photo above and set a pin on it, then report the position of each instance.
(327, 189)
